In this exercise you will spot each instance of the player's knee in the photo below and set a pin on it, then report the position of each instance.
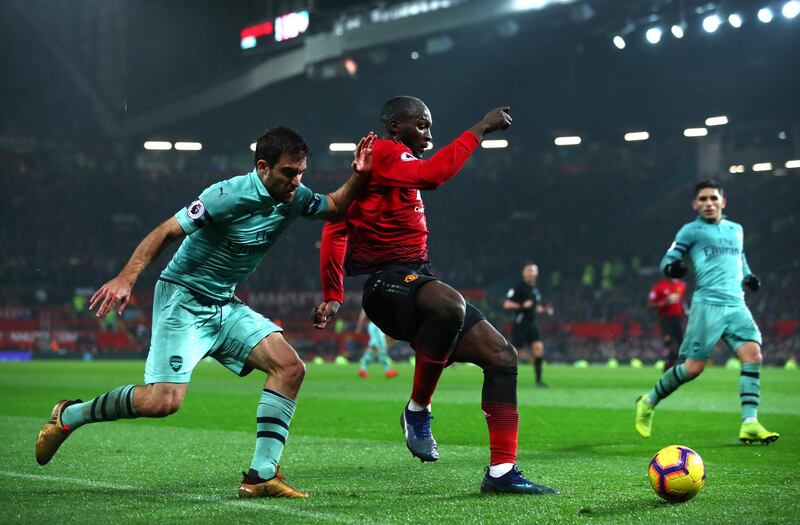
(750, 353)
(169, 408)
(695, 368)
(294, 371)
(500, 353)
(509, 354)
(165, 405)
(452, 313)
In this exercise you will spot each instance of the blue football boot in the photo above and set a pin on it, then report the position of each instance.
(417, 429)
(513, 482)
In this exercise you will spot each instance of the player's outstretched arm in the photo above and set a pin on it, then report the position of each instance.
(331, 260)
(498, 118)
(751, 280)
(672, 263)
(339, 201)
(676, 269)
(118, 290)
(399, 168)
(324, 313)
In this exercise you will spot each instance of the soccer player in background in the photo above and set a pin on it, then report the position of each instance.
(525, 301)
(667, 297)
(376, 347)
(715, 247)
(385, 236)
(228, 230)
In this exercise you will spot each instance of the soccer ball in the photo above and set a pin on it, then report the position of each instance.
(677, 473)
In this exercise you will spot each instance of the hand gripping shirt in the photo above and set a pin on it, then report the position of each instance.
(717, 254)
(230, 228)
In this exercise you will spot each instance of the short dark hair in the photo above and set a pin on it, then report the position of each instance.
(398, 108)
(277, 141)
(708, 183)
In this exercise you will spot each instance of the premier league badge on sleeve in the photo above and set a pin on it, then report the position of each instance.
(196, 209)
(314, 204)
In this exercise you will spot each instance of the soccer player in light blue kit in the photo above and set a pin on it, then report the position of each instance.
(377, 345)
(715, 247)
(228, 230)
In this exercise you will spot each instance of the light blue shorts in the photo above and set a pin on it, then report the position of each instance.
(377, 339)
(708, 323)
(185, 331)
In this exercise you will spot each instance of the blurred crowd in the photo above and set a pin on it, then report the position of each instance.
(596, 221)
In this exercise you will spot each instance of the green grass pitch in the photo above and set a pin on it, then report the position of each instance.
(347, 449)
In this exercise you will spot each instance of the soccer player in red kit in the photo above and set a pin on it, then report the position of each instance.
(667, 295)
(384, 235)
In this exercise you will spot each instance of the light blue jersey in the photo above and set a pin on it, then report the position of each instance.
(717, 253)
(229, 228)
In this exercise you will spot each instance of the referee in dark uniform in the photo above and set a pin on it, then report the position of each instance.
(525, 301)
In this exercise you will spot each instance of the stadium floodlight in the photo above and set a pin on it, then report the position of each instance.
(188, 146)
(494, 144)
(414, 55)
(735, 20)
(619, 42)
(717, 121)
(525, 5)
(157, 145)
(678, 30)
(762, 166)
(791, 9)
(695, 132)
(736, 168)
(252, 146)
(765, 15)
(793, 163)
(568, 141)
(635, 136)
(342, 146)
(711, 23)
(653, 35)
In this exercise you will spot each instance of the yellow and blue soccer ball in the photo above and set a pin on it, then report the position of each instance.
(677, 473)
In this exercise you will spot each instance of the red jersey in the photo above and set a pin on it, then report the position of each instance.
(386, 223)
(664, 289)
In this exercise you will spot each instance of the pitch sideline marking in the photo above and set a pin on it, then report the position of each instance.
(213, 499)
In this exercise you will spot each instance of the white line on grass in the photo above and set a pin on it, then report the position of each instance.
(251, 504)
(90, 482)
